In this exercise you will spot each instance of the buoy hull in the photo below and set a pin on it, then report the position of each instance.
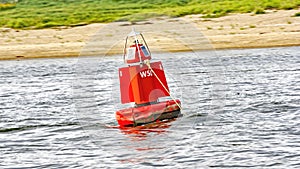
(135, 116)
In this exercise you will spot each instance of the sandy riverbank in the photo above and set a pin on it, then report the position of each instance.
(275, 28)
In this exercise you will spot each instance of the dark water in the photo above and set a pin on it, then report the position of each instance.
(242, 110)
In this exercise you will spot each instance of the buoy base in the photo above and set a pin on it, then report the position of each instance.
(135, 116)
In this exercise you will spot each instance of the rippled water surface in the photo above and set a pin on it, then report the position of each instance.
(242, 109)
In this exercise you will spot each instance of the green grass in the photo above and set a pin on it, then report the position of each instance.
(5, 6)
(297, 14)
(28, 14)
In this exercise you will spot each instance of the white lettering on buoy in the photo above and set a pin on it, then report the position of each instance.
(146, 73)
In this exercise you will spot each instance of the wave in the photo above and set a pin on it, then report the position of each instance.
(29, 127)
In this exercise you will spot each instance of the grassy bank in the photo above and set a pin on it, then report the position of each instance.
(28, 14)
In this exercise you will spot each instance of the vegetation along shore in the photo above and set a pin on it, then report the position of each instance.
(45, 28)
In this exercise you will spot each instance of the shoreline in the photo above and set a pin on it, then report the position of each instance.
(234, 31)
(114, 54)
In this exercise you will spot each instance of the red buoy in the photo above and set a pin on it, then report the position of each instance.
(143, 83)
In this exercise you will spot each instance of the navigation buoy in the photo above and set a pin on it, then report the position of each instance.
(143, 83)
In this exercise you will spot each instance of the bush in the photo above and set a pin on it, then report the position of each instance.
(297, 14)
(259, 11)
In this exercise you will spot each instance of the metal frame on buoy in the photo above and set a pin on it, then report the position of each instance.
(134, 34)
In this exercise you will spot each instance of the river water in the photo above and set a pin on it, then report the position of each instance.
(241, 110)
